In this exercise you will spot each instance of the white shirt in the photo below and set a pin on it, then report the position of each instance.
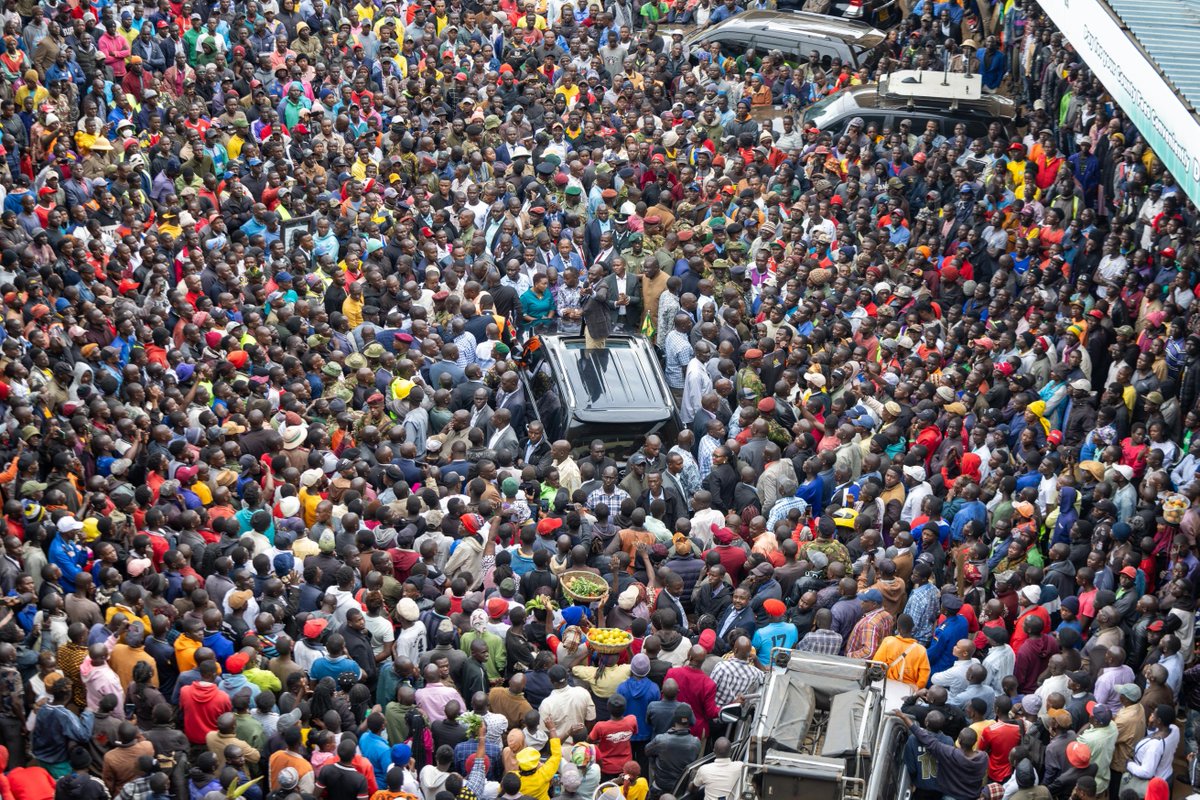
(696, 384)
(568, 708)
(718, 777)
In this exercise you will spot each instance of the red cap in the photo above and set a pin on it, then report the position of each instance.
(1129, 572)
(549, 525)
(236, 663)
(314, 627)
(774, 608)
(1054, 437)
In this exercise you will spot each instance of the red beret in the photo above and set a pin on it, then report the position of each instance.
(775, 608)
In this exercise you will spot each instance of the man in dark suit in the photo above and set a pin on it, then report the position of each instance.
(598, 226)
(475, 323)
(625, 315)
(536, 448)
(462, 394)
(511, 396)
(657, 490)
(722, 480)
(739, 614)
(480, 411)
(745, 495)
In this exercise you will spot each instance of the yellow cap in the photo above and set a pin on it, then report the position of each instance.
(528, 758)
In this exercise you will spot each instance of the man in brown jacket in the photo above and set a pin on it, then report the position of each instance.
(120, 763)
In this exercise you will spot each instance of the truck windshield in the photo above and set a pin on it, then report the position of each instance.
(817, 112)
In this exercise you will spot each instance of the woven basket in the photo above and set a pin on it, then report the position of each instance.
(608, 649)
(566, 577)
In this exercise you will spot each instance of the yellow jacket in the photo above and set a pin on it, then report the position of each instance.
(536, 784)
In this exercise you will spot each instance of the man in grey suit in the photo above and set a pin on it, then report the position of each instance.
(501, 435)
(624, 298)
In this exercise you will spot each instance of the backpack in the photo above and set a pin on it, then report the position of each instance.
(1031, 740)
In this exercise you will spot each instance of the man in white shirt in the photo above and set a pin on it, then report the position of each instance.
(696, 382)
(570, 708)
(719, 776)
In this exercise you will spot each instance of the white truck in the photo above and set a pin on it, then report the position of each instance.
(818, 730)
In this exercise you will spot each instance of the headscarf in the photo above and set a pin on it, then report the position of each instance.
(969, 466)
(479, 620)
(1038, 409)
(582, 755)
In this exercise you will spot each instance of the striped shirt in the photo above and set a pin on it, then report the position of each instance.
(823, 641)
(613, 501)
(735, 677)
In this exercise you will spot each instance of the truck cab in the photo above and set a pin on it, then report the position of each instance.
(819, 730)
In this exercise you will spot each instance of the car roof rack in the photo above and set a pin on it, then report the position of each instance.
(930, 85)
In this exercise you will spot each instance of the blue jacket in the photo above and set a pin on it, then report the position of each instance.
(220, 645)
(945, 636)
(70, 558)
(376, 749)
(231, 684)
(639, 693)
(54, 727)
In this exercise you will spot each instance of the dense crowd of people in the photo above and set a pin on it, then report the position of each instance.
(285, 516)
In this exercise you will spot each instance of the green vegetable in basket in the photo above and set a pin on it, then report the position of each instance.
(586, 587)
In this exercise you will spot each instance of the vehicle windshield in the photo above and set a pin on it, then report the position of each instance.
(819, 111)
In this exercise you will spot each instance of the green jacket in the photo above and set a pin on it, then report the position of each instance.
(497, 659)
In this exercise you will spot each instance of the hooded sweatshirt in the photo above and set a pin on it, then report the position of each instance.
(202, 702)
(1031, 660)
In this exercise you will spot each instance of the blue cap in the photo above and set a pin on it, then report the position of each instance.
(283, 277)
(254, 162)
(401, 754)
(871, 596)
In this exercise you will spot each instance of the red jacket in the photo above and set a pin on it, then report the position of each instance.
(201, 703)
(698, 691)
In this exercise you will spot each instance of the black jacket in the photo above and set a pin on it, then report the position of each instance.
(671, 753)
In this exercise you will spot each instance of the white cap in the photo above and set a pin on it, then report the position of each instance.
(69, 524)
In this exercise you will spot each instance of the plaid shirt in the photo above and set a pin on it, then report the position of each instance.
(735, 677)
(782, 507)
(869, 633)
(923, 605)
(136, 789)
(613, 501)
(823, 641)
(466, 344)
(464, 750)
(707, 446)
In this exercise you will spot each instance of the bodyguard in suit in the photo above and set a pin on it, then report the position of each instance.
(536, 449)
(624, 298)
(501, 435)
(591, 234)
(511, 396)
